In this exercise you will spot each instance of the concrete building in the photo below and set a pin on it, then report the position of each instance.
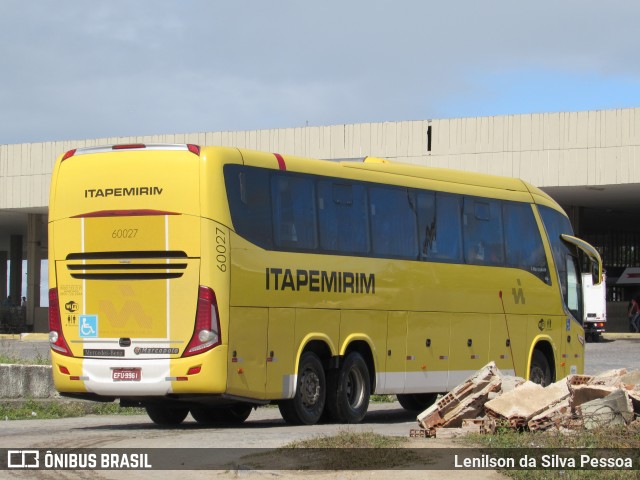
(588, 161)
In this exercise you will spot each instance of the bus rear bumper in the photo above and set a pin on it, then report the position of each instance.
(156, 377)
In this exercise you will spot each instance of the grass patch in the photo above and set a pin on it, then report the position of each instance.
(348, 439)
(347, 450)
(611, 437)
(383, 398)
(37, 359)
(48, 409)
(618, 437)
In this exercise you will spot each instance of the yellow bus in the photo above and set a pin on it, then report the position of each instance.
(213, 280)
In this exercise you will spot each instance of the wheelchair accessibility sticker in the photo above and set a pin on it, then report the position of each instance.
(88, 326)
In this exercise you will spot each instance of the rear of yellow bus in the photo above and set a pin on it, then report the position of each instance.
(132, 314)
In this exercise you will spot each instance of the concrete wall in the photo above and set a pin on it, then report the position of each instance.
(546, 149)
(26, 381)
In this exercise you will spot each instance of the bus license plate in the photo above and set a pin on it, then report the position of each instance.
(126, 375)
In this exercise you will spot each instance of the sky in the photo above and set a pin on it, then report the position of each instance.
(74, 69)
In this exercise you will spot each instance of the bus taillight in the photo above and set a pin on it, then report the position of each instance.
(206, 333)
(56, 336)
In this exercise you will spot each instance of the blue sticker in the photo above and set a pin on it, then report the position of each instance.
(88, 326)
(568, 324)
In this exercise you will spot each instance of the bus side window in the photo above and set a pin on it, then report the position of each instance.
(574, 287)
(393, 223)
(483, 238)
(343, 218)
(523, 241)
(294, 213)
(555, 225)
(439, 223)
(250, 203)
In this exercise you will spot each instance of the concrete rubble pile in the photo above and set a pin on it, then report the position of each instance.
(489, 399)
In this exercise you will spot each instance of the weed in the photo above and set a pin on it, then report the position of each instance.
(47, 409)
(618, 437)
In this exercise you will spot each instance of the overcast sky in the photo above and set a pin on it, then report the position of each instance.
(87, 69)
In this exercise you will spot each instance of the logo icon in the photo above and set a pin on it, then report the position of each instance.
(71, 306)
(88, 326)
(518, 295)
(23, 459)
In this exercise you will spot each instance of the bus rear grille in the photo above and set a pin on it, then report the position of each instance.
(126, 265)
(126, 276)
(127, 255)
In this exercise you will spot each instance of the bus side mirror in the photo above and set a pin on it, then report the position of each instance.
(589, 251)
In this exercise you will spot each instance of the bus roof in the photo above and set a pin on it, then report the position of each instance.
(372, 168)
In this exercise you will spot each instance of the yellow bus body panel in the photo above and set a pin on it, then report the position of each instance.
(428, 325)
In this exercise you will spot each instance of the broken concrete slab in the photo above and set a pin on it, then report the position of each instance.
(634, 396)
(578, 401)
(464, 401)
(557, 416)
(610, 378)
(468, 426)
(472, 406)
(526, 401)
(585, 393)
(631, 379)
(509, 382)
(614, 409)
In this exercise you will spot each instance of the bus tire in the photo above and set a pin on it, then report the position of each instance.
(417, 402)
(349, 389)
(307, 405)
(540, 371)
(166, 415)
(234, 415)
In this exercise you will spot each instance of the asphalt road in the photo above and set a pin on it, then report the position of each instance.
(263, 430)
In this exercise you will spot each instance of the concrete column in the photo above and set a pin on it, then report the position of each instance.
(575, 215)
(33, 266)
(15, 277)
(3, 277)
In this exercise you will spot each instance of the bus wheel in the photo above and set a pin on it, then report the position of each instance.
(234, 415)
(540, 371)
(167, 415)
(417, 402)
(306, 407)
(349, 390)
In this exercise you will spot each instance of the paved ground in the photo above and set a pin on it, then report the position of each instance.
(264, 428)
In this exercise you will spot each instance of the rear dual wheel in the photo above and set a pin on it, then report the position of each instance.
(417, 402)
(349, 389)
(344, 393)
(234, 415)
(307, 405)
(167, 415)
